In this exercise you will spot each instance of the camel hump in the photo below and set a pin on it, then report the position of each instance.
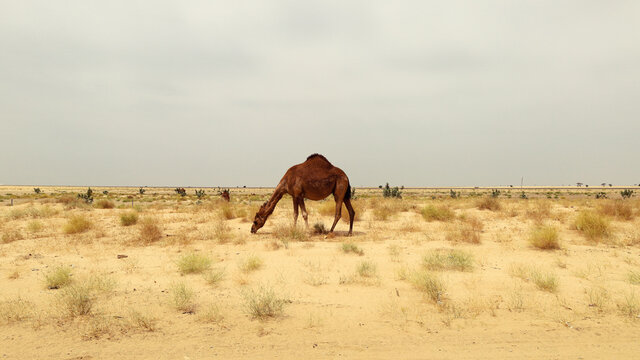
(316, 155)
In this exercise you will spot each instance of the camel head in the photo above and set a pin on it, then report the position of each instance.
(260, 219)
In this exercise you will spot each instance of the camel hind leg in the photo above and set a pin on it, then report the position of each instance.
(338, 213)
(352, 214)
(305, 216)
(295, 211)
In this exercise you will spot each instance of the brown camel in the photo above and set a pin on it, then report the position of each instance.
(314, 179)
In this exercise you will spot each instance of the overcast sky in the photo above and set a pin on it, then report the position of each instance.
(416, 93)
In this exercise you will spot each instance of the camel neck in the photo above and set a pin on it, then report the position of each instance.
(273, 201)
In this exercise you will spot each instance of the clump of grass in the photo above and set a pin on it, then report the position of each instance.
(15, 310)
(367, 269)
(222, 232)
(319, 229)
(76, 300)
(291, 232)
(437, 213)
(129, 218)
(327, 208)
(630, 305)
(77, 224)
(489, 203)
(547, 281)
(227, 212)
(211, 314)
(251, 263)
(58, 277)
(35, 226)
(143, 321)
(545, 237)
(214, 276)
(384, 211)
(448, 259)
(592, 225)
(105, 204)
(349, 247)
(634, 277)
(314, 275)
(33, 212)
(618, 209)
(429, 284)
(394, 252)
(263, 303)
(598, 297)
(193, 264)
(182, 298)
(149, 231)
(538, 210)
(11, 235)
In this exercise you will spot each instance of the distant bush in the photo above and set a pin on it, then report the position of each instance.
(619, 209)
(394, 192)
(626, 194)
(141, 190)
(181, 191)
(489, 204)
(200, 193)
(37, 190)
(495, 193)
(453, 194)
(87, 197)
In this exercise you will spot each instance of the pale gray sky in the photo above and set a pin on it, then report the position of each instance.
(420, 93)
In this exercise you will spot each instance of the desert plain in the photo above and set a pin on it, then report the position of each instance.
(532, 273)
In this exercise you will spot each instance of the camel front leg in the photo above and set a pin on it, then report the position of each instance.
(338, 214)
(295, 211)
(304, 213)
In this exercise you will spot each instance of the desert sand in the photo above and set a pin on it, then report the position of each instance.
(427, 276)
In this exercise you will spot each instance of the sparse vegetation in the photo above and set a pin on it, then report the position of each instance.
(437, 213)
(490, 203)
(468, 231)
(214, 276)
(182, 298)
(105, 204)
(626, 193)
(251, 263)
(389, 192)
(428, 283)
(547, 281)
(76, 300)
(350, 247)
(149, 232)
(448, 259)
(319, 229)
(290, 232)
(618, 209)
(87, 197)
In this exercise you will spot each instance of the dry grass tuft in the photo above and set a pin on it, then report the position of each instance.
(105, 204)
(618, 209)
(263, 303)
(429, 284)
(77, 224)
(227, 211)
(437, 213)
(193, 264)
(214, 276)
(15, 310)
(182, 298)
(544, 237)
(468, 231)
(489, 203)
(538, 210)
(634, 277)
(546, 281)
(448, 259)
(291, 232)
(367, 269)
(58, 277)
(630, 305)
(350, 247)
(35, 226)
(143, 321)
(76, 300)
(592, 225)
(250, 264)
(129, 218)
(319, 229)
(149, 232)
(222, 232)
(211, 314)
(11, 235)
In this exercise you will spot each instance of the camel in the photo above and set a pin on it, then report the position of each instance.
(313, 179)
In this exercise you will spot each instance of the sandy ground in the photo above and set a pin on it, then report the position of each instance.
(494, 309)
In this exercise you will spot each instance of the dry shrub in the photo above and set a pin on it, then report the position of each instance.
(15, 310)
(327, 208)
(489, 203)
(77, 224)
(150, 232)
(251, 263)
(538, 210)
(193, 264)
(319, 229)
(592, 225)
(11, 235)
(214, 276)
(35, 226)
(618, 209)
(32, 212)
(429, 284)
(263, 303)
(76, 300)
(439, 213)
(227, 211)
(467, 230)
(290, 232)
(182, 298)
(544, 237)
(129, 218)
(58, 277)
(350, 247)
(105, 204)
(547, 281)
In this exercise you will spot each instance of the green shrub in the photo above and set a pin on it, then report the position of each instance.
(350, 247)
(448, 260)
(263, 303)
(193, 264)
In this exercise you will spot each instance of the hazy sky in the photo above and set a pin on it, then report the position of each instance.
(416, 93)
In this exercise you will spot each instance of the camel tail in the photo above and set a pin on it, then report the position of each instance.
(347, 196)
